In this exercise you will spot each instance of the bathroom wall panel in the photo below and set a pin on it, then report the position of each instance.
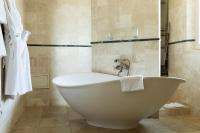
(55, 61)
(144, 57)
(119, 20)
(61, 22)
(122, 18)
(184, 58)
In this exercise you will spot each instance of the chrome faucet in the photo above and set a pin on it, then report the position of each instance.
(123, 64)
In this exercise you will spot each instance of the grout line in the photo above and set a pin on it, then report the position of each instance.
(53, 45)
(128, 40)
(182, 41)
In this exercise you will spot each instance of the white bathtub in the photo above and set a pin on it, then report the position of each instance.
(98, 97)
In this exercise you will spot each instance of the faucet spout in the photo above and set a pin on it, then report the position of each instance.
(123, 65)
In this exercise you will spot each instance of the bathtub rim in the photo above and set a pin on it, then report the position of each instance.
(181, 80)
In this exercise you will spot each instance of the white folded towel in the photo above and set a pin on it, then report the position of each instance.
(3, 19)
(132, 83)
(2, 44)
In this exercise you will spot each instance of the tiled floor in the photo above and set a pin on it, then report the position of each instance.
(64, 120)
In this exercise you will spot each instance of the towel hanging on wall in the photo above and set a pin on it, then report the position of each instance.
(2, 13)
(18, 77)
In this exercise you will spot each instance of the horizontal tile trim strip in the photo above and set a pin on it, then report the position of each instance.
(130, 40)
(42, 45)
(182, 41)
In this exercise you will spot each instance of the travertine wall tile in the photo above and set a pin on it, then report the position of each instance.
(57, 22)
(144, 57)
(121, 18)
(115, 19)
(55, 62)
(184, 59)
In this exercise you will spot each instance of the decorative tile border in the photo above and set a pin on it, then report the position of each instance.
(182, 41)
(98, 42)
(128, 40)
(53, 45)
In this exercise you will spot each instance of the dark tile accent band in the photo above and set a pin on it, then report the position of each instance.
(182, 41)
(130, 40)
(42, 45)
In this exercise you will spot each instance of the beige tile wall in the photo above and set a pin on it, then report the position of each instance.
(144, 57)
(55, 62)
(184, 58)
(121, 19)
(177, 18)
(57, 22)
(70, 21)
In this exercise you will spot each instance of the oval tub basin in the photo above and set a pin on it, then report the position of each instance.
(99, 99)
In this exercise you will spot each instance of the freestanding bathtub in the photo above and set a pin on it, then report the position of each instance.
(98, 98)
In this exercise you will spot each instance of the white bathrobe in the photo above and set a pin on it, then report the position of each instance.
(18, 77)
(2, 44)
(2, 21)
(2, 13)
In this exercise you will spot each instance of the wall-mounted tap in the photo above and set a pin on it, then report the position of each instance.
(123, 65)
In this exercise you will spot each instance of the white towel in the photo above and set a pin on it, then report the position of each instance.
(2, 13)
(132, 83)
(2, 44)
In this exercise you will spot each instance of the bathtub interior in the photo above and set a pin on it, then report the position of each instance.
(82, 79)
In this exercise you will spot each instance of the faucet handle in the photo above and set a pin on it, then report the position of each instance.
(122, 64)
(118, 67)
(116, 60)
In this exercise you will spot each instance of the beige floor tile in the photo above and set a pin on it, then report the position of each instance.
(115, 131)
(87, 130)
(145, 126)
(58, 129)
(27, 123)
(56, 109)
(24, 130)
(74, 115)
(76, 125)
(53, 121)
(64, 120)
(194, 132)
(182, 123)
(50, 112)
(152, 126)
(80, 126)
(32, 112)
